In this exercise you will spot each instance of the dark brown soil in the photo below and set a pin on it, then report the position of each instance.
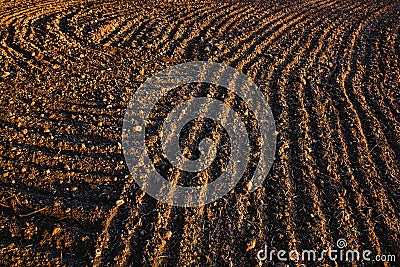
(330, 71)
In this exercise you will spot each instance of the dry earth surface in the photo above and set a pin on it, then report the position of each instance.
(329, 69)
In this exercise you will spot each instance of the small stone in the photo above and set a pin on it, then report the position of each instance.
(120, 202)
(56, 231)
(168, 235)
(251, 245)
(249, 185)
(138, 128)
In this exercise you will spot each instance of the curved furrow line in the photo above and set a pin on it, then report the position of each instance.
(304, 46)
(88, 12)
(101, 24)
(13, 48)
(341, 196)
(307, 44)
(156, 29)
(15, 51)
(21, 46)
(322, 107)
(9, 44)
(160, 33)
(310, 93)
(287, 186)
(241, 216)
(174, 47)
(384, 195)
(383, 150)
(68, 24)
(114, 27)
(133, 31)
(352, 77)
(280, 152)
(302, 135)
(389, 67)
(64, 24)
(154, 249)
(192, 232)
(216, 239)
(380, 105)
(110, 28)
(7, 16)
(39, 55)
(197, 41)
(134, 224)
(253, 49)
(303, 188)
(136, 32)
(212, 35)
(159, 239)
(133, 216)
(269, 24)
(172, 31)
(190, 244)
(35, 12)
(25, 32)
(328, 69)
(192, 249)
(378, 59)
(274, 28)
(345, 109)
(182, 30)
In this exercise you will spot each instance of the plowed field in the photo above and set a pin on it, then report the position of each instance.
(329, 69)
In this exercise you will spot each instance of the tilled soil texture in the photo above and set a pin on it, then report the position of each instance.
(329, 70)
